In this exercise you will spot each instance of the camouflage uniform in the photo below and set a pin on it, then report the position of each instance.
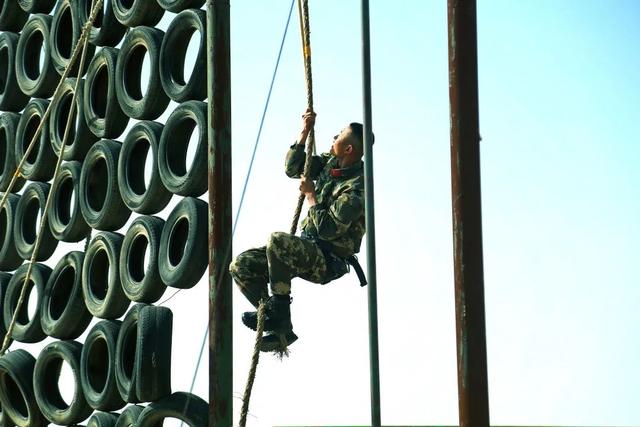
(331, 232)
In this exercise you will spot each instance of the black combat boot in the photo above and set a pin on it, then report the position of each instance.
(277, 315)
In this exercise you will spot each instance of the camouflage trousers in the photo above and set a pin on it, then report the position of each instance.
(284, 258)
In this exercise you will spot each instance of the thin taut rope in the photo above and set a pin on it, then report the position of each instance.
(81, 45)
(306, 50)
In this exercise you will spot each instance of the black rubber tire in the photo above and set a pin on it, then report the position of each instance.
(176, 175)
(140, 283)
(5, 278)
(101, 108)
(26, 330)
(97, 367)
(129, 416)
(103, 419)
(153, 353)
(16, 389)
(100, 200)
(5, 421)
(64, 314)
(37, 6)
(65, 219)
(126, 354)
(80, 138)
(46, 378)
(133, 13)
(176, 6)
(183, 246)
(11, 97)
(143, 140)
(8, 126)
(135, 104)
(40, 163)
(12, 17)
(66, 26)
(172, 57)
(9, 257)
(25, 225)
(33, 80)
(106, 30)
(184, 406)
(101, 287)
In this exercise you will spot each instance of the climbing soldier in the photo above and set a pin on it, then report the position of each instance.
(331, 233)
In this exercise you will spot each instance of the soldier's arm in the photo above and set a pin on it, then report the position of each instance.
(295, 160)
(333, 221)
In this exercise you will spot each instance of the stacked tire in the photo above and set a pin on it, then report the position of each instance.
(95, 303)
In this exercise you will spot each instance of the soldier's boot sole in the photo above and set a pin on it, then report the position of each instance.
(275, 342)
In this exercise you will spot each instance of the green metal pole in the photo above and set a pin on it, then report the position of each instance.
(220, 217)
(370, 220)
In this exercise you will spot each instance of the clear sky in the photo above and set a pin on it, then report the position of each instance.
(559, 118)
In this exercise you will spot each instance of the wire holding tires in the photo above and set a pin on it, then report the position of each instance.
(81, 45)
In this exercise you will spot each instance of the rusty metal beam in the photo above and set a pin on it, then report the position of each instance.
(220, 217)
(473, 399)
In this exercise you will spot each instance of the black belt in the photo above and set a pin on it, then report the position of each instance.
(327, 247)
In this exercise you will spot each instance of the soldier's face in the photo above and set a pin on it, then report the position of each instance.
(342, 144)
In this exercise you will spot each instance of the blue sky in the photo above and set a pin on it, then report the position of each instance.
(559, 95)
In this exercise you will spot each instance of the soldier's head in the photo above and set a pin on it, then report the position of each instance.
(348, 145)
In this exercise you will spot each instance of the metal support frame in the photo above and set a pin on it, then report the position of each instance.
(220, 217)
(370, 219)
(473, 399)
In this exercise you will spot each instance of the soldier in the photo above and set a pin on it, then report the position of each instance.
(331, 232)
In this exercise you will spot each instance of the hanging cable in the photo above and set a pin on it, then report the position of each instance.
(246, 181)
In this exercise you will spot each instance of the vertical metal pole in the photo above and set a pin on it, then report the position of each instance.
(220, 218)
(370, 219)
(473, 399)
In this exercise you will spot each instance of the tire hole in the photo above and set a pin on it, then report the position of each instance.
(138, 257)
(64, 33)
(97, 185)
(14, 395)
(67, 383)
(61, 292)
(178, 241)
(98, 364)
(127, 4)
(100, 91)
(138, 65)
(31, 221)
(97, 23)
(32, 304)
(5, 233)
(3, 148)
(29, 133)
(129, 350)
(63, 116)
(23, 313)
(182, 151)
(65, 200)
(193, 48)
(53, 378)
(4, 68)
(99, 274)
(34, 59)
(137, 176)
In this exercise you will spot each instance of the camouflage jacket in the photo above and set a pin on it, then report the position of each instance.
(338, 217)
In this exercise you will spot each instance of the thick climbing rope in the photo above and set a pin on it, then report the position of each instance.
(80, 46)
(303, 10)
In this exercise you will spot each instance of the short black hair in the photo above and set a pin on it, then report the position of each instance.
(358, 131)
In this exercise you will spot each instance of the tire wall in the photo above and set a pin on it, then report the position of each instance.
(95, 341)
